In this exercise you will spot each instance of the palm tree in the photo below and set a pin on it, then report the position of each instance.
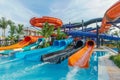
(12, 28)
(46, 31)
(118, 42)
(12, 36)
(19, 30)
(60, 35)
(3, 24)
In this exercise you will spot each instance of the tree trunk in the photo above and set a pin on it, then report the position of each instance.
(3, 32)
(4, 37)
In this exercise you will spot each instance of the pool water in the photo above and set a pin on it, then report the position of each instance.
(19, 69)
(116, 49)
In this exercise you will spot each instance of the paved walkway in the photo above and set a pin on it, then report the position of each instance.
(112, 69)
(107, 70)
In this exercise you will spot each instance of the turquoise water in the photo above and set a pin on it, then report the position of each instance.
(116, 49)
(15, 69)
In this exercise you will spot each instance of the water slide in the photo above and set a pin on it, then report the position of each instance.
(86, 23)
(89, 29)
(112, 14)
(77, 33)
(81, 57)
(26, 48)
(35, 55)
(39, 22)
(59, 56)
(58, 45)
(26, 41)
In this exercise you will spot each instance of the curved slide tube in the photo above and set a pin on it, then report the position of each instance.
(59, 56)
(111, 14)
(34, 55)
(81, 58)
(39, 22)
(90, 34)
(26, 48)
(27, 40)
(75, 25)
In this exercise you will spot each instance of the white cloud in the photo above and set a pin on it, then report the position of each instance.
(67, 10)
(76, 10)
(14, 10)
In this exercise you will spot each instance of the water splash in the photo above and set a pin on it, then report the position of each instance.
(71, 74)
(10, 61)
(35, 66)
(22, 72)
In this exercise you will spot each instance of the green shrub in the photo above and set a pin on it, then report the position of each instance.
(115, 59)
(111, 57)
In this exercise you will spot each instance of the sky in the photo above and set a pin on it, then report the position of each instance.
(21, 11)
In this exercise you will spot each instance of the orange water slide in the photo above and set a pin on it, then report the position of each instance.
(81, 58)
(111, 14)
(26, 41)
(39, 22)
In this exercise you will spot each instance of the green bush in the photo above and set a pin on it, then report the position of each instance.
(46, 31)
(111, 57)
(60, 34)
(115, 59)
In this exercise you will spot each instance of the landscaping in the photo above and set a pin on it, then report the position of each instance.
(115, 59)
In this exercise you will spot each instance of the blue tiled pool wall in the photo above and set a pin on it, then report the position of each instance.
(101, 53)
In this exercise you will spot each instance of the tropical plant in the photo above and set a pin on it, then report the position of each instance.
(12, 32)
(118, 46)
(118, 42)
(60, 35)
(116, 33)
(3, 24)
(19, 31)
(115, 59)
(46, 31)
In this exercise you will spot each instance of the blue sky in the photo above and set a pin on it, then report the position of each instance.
(21, 11)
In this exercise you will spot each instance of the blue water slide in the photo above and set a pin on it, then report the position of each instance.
(80, 33)
(75, 25)
(26, 48)
(90, 29)
(34, 55)
(109, 37)
(90, 34)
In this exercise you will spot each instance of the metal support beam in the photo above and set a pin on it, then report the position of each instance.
(98, 39)
(82, 25)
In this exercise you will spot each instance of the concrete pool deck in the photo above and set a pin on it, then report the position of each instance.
(107, 70)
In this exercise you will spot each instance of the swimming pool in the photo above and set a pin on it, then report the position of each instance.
(116, 49)
(13, 69)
